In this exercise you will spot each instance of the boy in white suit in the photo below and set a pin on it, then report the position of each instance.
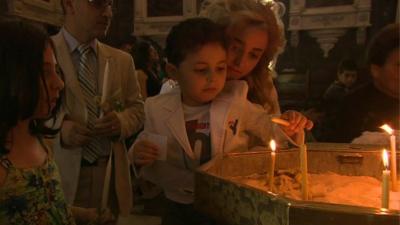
(202, 118)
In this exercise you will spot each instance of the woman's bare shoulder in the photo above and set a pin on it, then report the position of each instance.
(3, 175)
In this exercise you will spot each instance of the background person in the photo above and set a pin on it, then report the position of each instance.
(147, 63)
(342, 86)
(377, 102)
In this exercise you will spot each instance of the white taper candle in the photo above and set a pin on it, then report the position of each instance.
(272, 145)
(385, 180)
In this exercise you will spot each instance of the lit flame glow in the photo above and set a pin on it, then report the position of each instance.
(272, 145)
(386, 128)
(385, 158)
(266, 1)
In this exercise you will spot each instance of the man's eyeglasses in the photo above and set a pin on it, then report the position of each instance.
(101, 4)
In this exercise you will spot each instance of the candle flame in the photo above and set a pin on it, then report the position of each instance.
(272, 145)
(384, 211)
(385, 158)
(387, 128)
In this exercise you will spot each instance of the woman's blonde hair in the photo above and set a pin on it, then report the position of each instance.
(234, 14)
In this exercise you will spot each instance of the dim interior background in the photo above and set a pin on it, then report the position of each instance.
(302, 67)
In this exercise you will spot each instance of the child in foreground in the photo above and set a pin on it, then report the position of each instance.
(198, 121)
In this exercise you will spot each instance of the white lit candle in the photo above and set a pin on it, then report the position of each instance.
(393, 164)
(304, 169)
(303, 158)
(105, 82)
(303, 166)
(105, 87)
(272, 145)
(385, 180)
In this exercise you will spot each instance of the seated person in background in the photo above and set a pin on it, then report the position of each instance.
(377, 102)
(346, 77)
(199, 120)
(333, 96)
(147, 68)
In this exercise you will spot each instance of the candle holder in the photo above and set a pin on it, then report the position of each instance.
(228, 193)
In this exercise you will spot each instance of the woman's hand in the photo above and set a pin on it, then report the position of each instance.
(297, 123)
(143, 153)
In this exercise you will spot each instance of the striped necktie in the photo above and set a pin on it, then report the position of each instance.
(88, 83)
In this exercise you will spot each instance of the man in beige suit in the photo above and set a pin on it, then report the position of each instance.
(92, 69)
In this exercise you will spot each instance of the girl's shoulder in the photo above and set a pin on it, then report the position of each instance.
(3, 174)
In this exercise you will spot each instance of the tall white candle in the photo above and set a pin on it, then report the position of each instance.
(104, 90)
(393, 164)
(304, 171)
(385, 180)
(105, 82)
(272, 145)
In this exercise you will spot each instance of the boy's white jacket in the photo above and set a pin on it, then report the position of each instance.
(232, 119)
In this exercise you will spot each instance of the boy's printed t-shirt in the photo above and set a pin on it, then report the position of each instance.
(197, 123)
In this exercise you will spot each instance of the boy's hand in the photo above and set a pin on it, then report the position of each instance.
(143, 153)
(297, 122)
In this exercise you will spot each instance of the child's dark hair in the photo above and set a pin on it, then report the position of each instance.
(141, 54)
(347, 64)
(190, 35)
(383, 44)
(127, 39)
(21, 69)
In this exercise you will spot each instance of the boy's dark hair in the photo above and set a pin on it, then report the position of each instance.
(190, 35)
(21, 69)
(347, 64)
(382, 44)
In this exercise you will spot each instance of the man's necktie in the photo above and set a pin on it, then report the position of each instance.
(88, 83)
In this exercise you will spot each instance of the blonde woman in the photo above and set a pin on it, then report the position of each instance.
(255, 37)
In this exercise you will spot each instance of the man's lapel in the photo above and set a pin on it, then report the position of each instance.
(104, 57)
(68, 68)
